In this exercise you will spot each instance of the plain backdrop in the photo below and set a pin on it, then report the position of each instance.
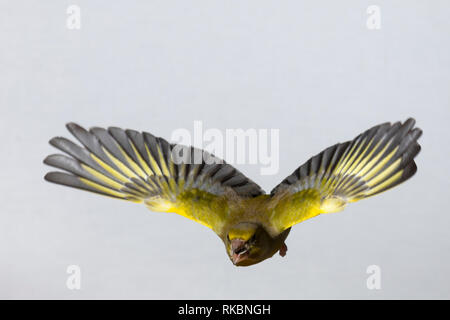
(312, 70)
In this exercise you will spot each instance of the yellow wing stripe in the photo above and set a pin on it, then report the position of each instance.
(369, 166)
(143, 164)
(153, 162)
(361, 157)
(109, 169)
(361, 169)
(102, 177)
(165, 170)
(120, 165)
(349, 159)
(385, 173)
(133, 164)
(372, 172)
(104, 189)
(386, 183)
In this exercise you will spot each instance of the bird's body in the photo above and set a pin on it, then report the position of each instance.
(140, 167)
(244, 217)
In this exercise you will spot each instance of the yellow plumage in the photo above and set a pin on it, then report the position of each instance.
(140, 167)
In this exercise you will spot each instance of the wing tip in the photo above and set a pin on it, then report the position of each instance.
(410, 121)
(48, 159)
(72, 125)
(52, 176)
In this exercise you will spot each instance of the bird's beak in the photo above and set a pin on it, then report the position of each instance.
(239, 251)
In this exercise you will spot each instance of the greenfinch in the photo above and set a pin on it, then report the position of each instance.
(253, 225)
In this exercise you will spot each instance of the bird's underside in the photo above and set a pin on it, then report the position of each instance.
(140, 167)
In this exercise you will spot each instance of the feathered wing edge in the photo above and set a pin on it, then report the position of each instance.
(375, 161)
(136, 166)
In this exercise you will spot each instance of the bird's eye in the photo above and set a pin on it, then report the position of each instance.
(253, 238)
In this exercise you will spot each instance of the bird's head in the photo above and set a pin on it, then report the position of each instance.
(246, 244)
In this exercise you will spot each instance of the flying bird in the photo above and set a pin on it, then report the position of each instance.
(139, 167)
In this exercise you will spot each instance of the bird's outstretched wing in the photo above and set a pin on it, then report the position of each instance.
(376, 160)
(140, 167)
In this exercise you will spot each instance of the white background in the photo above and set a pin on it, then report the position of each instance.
(313, 70)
